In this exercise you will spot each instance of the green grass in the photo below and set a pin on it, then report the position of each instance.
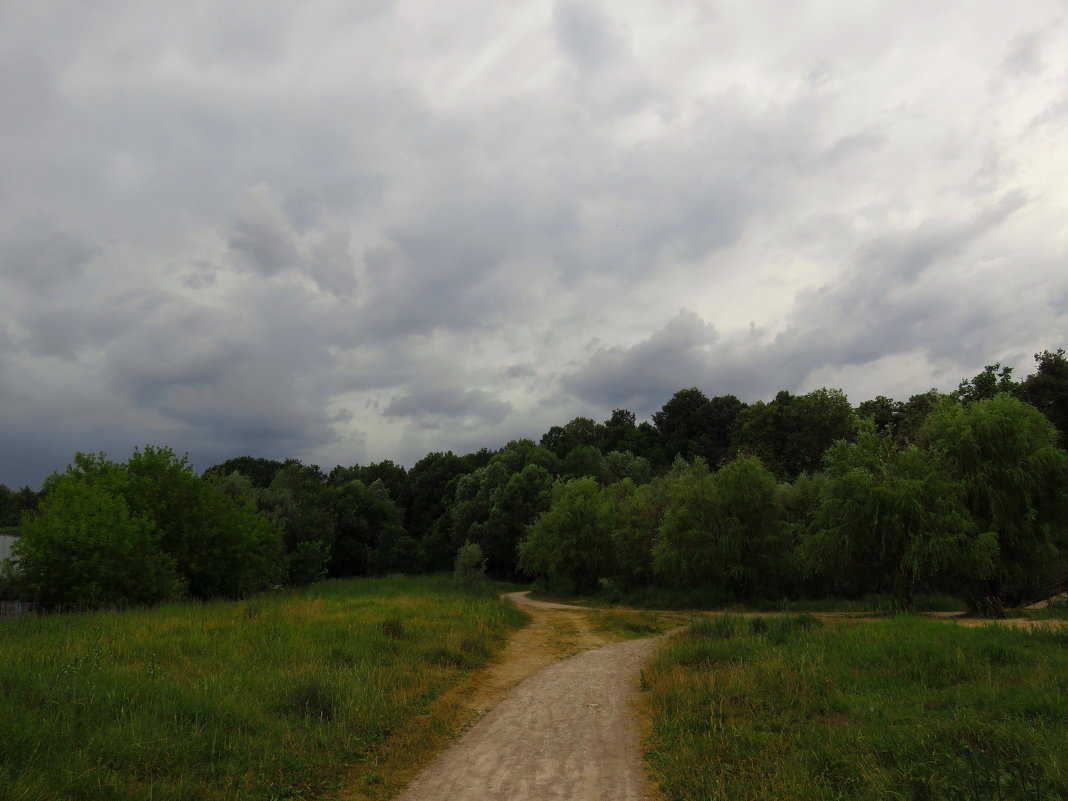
(629, 625)
(903, 708)
(284, 696)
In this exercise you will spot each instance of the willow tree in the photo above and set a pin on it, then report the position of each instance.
(892, 519)
(722, 531)
(573, 539)
(1015, 486)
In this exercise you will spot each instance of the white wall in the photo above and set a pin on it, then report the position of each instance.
(6, 541)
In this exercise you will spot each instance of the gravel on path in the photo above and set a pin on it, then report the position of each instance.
(566, 733)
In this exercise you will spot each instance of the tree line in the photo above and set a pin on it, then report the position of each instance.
(801, 496)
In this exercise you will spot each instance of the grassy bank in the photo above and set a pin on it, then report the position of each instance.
(284, 696)
(689, 598)
(785, 708)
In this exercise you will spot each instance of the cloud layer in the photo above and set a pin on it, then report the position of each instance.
(348, 233)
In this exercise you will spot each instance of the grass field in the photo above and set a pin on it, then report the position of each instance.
(285, 696)
(903, 708)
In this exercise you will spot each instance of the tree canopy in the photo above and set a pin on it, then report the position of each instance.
(798, 496)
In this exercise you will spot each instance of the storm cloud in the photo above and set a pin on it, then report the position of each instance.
(349, 233)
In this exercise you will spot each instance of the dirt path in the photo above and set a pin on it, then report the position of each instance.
(564, 729)
(1008, 622)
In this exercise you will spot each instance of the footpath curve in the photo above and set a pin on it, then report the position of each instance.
(565, 733)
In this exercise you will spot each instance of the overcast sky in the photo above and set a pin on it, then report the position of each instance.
(350, 231)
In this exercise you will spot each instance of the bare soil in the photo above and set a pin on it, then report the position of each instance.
(1011, 622)
(565, 729)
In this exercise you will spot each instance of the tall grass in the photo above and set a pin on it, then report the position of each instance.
(278, 697)
(784, 708)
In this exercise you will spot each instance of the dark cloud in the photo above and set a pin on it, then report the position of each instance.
(432, 403)
(1024, 55)
(906, 255)
(264, 240)
(893, 300)
(260, 235)
(848, 147)
(40, 255)
(269, 228)
(243, 375)
(583, 33)
(439, 273)
(304, 207)
(66, 328)
(881, 307)
(643, 376)
(525, 370)
(1054, 112)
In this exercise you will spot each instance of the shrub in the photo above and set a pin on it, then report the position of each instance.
(113, 534)
(470, 565)
(84, 548)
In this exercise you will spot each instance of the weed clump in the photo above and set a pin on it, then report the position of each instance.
(312, 697)
(393, 628)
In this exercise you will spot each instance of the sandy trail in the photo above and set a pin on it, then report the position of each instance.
(566, 731)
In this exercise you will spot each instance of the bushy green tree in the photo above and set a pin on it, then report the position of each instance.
(473, 500)
(881, 410)
(259, 471)
(495, 504)
(993, 380)
(585, 460)
(913, 416)
(513, 507)
(393, 476)
(573, 538)
(241, 551)
(370, 533)
(639, 513)
(561, 440)
(799, 501)
(428, 482)
(469, 567)
(693, 425)
(791, 433)
(299, 498)
(624, 464)
(307, 563)
(214, 544)
(222, 546)
(13, 503)
(1047, 389)
(891, 519)
(621, 433)
(721, 531)
(1004, 454)
(85, 548)
(519, 453)
(357, 518)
